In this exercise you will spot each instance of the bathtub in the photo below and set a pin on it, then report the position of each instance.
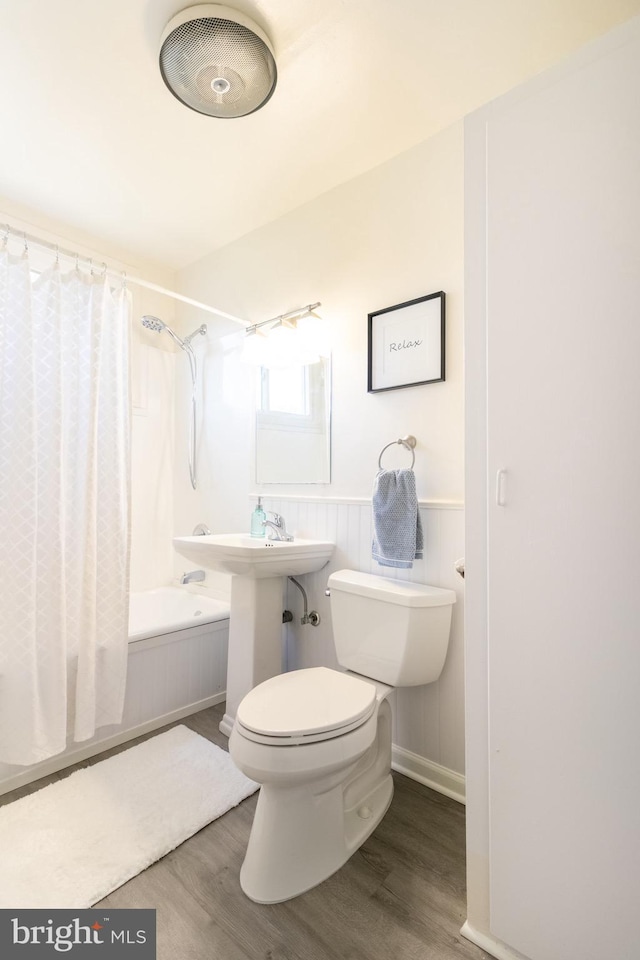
(154, 613)
(177, 665)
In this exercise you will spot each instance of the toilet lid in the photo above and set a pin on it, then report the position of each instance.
(307, 704)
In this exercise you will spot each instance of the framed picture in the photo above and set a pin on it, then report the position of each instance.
(406, 344)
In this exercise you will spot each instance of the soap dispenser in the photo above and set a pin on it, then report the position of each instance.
(258, 518)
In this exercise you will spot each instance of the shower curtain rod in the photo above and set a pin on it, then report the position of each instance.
(59, 251)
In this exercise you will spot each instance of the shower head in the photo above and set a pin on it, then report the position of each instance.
(158, 325)
(153, 323)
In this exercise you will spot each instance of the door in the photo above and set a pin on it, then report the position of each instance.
(563, 474)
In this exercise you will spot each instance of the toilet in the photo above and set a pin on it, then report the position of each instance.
(319, 740)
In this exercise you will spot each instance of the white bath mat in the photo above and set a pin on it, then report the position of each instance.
(74, 841)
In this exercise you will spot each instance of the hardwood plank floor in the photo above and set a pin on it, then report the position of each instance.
(400, 897)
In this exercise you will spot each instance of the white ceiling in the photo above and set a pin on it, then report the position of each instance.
(91, 136)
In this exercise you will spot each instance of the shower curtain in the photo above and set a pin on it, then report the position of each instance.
(64, 507)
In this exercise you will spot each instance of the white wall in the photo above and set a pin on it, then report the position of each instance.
(388, 236)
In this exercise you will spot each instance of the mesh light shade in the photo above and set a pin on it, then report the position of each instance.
(217, 61)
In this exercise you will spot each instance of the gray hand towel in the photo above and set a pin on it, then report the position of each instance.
(397, 528)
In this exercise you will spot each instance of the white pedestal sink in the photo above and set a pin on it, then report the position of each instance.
(255, 631)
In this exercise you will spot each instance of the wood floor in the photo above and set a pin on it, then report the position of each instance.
(400, 897)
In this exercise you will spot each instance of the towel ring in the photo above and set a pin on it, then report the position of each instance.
(408, 442)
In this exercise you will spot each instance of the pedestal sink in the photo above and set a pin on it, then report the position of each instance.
(255, 632)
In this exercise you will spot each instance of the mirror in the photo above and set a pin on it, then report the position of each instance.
(293, 424)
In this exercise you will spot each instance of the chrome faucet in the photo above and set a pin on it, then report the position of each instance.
(193, 576)
(277, 528)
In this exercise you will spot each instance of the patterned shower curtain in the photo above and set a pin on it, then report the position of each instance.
(64, 507)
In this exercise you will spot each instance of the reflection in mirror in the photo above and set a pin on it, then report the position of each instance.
(293, 424)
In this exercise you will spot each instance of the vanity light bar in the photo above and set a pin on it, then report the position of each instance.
(284, 317)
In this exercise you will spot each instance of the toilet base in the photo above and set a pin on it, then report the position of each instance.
(303, 833)
(315, 846)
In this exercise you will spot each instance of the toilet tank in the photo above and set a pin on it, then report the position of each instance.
(390, 630)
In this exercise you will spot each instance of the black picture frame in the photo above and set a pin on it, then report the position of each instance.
(406, 344)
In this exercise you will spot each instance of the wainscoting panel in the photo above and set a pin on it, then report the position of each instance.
(428, 720)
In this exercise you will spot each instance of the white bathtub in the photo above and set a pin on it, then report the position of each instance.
(177, 665)
(154, 613)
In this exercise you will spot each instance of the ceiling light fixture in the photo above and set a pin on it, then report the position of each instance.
(217, 61)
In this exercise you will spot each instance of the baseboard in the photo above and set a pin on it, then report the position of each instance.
(486, 942)
(67, 759)
(226, 725)
(431, 774)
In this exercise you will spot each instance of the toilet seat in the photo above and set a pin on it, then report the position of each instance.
(305, 706)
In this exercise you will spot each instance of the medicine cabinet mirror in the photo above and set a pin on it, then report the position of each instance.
(293, 424)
